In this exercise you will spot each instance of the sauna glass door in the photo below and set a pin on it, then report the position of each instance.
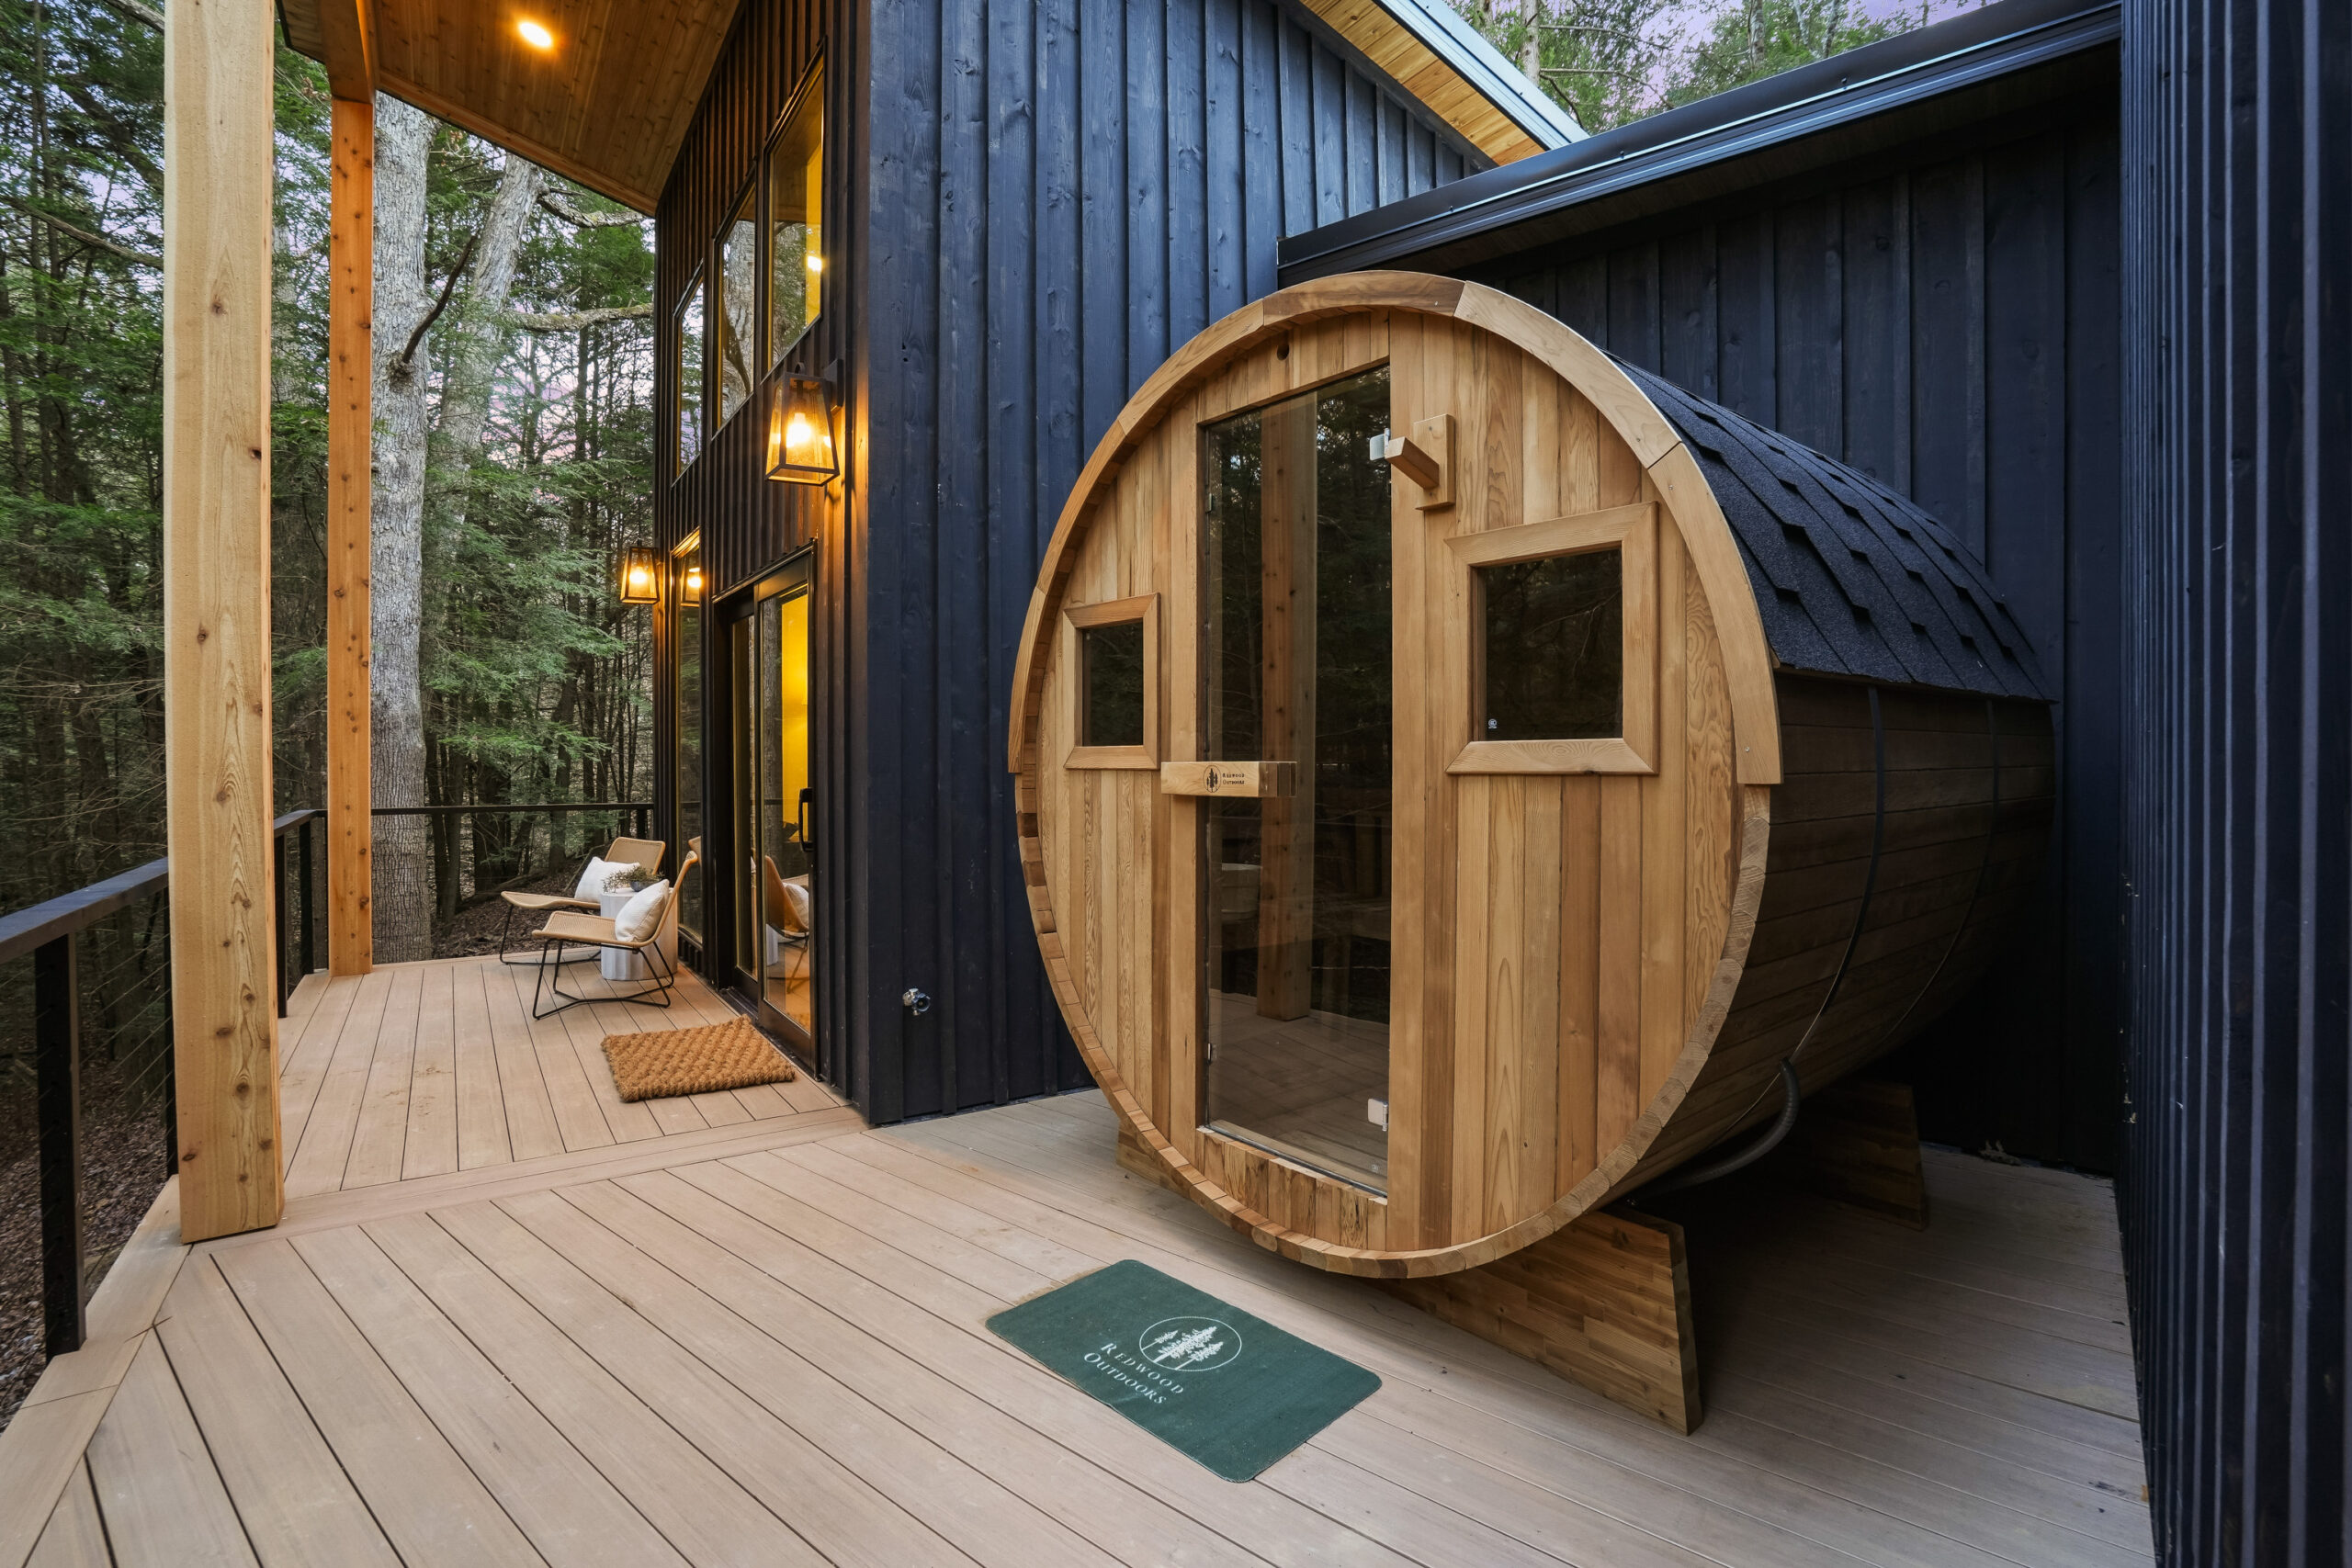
(775, 870)
(1297, 667)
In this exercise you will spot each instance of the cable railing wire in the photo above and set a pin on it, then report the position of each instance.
(86, 1047)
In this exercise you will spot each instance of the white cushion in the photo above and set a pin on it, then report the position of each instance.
(591, 881)
(635, 921)
(796, 893)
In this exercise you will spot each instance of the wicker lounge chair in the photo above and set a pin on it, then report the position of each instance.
(625, 852)
(567, 926)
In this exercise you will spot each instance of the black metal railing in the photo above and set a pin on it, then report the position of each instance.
(122, 1003)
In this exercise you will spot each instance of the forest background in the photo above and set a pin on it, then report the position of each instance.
(514, 390)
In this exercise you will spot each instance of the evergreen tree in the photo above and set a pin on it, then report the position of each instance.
(533, 683)
(1608, 62)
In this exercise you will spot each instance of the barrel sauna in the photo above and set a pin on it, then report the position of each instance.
(1456, 771)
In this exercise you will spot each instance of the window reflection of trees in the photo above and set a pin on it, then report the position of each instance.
(689, 376)
(739, 319)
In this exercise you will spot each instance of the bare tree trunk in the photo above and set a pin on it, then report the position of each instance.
(404, 864)
(482, 342)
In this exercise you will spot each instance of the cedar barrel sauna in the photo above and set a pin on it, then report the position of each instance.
(1463, 778)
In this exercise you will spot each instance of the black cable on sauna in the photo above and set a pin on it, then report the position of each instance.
(1790, 1095)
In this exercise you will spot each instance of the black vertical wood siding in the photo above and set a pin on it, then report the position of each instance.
(1063, 194)
(1946, 321)
(1031, 204)
(2238, 810)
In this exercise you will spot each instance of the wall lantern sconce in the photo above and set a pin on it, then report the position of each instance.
(800, 431)
(640, 575)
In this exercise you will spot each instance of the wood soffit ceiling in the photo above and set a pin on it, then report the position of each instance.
(608, 106)
(1389, 44)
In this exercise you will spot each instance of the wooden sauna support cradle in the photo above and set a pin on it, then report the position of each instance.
(1802, 829)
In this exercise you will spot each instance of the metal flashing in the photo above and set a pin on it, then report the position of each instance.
(1441, 27)
(1983, 46)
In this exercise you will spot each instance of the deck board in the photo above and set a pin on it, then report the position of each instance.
(735, 1339)
(421, 1070)
(75, 1536)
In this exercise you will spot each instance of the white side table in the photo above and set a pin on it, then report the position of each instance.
(619, 963)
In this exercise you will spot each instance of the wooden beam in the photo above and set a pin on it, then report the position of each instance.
(218, 96)
(346, 33)
(441, 106)
(351, 934)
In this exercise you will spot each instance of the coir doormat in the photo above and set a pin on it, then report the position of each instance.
(1229, 1390)
(700, 1060)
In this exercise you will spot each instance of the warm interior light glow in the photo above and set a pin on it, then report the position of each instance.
(816, 262)
(640, 578)
(694, 581)
(534, 34)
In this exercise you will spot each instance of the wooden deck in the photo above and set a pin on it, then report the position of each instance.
(425, 1069)
(667, 1350)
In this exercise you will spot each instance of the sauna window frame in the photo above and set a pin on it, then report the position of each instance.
(1632, 531)
(1077, 618)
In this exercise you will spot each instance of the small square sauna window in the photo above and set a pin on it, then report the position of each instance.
(1110, 665)
(1111, 655)
(1552, 658)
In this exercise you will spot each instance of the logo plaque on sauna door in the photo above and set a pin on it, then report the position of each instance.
(1203, 1376)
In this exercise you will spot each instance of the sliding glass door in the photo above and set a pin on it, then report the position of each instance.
(774, 870)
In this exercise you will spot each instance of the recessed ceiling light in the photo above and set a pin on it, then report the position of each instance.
(534, 34)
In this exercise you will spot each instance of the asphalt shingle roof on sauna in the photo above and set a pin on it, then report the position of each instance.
(1852, 579)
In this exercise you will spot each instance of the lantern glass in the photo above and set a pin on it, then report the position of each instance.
(800, 431)
(640, 580)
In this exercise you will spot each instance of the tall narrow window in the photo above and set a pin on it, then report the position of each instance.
(795, 217)
(688, 599)
(686, 373)
(735, 321)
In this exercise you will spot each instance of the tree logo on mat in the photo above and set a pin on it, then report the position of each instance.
(1189, 1344)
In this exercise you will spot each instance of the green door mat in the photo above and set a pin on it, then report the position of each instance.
(1230, 1390)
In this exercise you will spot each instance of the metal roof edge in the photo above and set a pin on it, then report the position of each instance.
(1998, 39)
(1441, 27)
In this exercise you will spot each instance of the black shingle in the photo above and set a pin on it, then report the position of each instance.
(1850, 578)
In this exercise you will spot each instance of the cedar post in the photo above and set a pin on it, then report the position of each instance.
(218, 59)
(1286, 848)
(350, 367)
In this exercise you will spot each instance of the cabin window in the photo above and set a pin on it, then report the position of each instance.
(1555, 664)
(796, 251)
(687, 636)
(685, 375)
(1111, 654)
(1552, 655)
(735, 314)
(1110, 662)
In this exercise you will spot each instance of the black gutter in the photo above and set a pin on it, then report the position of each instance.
(1996, 40)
